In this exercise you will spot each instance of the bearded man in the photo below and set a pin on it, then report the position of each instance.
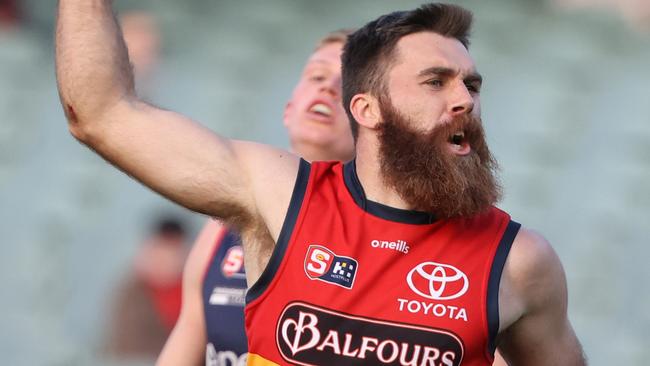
(398, 257)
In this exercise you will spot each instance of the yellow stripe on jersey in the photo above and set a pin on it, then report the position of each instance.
(257, 360)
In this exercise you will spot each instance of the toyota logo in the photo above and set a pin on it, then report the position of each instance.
(437, 281)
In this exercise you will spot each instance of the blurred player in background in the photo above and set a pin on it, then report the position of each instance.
(148, 301)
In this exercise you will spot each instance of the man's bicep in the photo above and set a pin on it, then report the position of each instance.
(534, 342)
(172, 155)
(543, 334)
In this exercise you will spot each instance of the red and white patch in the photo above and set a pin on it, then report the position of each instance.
(233, 262)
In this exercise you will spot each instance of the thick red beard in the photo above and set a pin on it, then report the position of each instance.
(421, 168)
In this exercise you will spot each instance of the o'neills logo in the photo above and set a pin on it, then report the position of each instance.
(309, 335)
(398, 245)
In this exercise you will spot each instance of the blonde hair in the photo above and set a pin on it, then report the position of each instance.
(337, 36)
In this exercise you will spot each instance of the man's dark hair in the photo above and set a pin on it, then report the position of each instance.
(169, 225)
(370, 50)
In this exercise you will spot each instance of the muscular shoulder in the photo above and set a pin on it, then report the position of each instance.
(535, 329)
(533, 278)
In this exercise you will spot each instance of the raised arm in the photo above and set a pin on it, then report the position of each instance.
(238, 181)
(533, 302)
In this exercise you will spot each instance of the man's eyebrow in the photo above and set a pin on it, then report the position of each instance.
(473, 77)
(318, 61)
(438, 70)
(316, 65)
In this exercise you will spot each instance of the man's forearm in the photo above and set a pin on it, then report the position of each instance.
(92, 65)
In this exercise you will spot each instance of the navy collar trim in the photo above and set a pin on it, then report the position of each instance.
(377, 209)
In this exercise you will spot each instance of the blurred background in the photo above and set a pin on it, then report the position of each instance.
(565, 104)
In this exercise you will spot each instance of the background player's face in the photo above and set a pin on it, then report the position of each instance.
(315, 115)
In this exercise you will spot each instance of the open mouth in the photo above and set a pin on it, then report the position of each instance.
(459, 144)
(321, 109)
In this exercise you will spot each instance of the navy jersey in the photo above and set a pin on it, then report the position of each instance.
(224, 290)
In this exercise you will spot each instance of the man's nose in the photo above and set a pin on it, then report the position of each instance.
(332, 86)
(462, 101)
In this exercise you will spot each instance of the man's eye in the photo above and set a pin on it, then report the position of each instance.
(473, 88)
(434, 82)
(317, 78)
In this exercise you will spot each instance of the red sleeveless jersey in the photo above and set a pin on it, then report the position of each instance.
(354, 282)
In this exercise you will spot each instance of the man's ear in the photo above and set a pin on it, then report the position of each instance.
(365, 109)
(288, 109)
